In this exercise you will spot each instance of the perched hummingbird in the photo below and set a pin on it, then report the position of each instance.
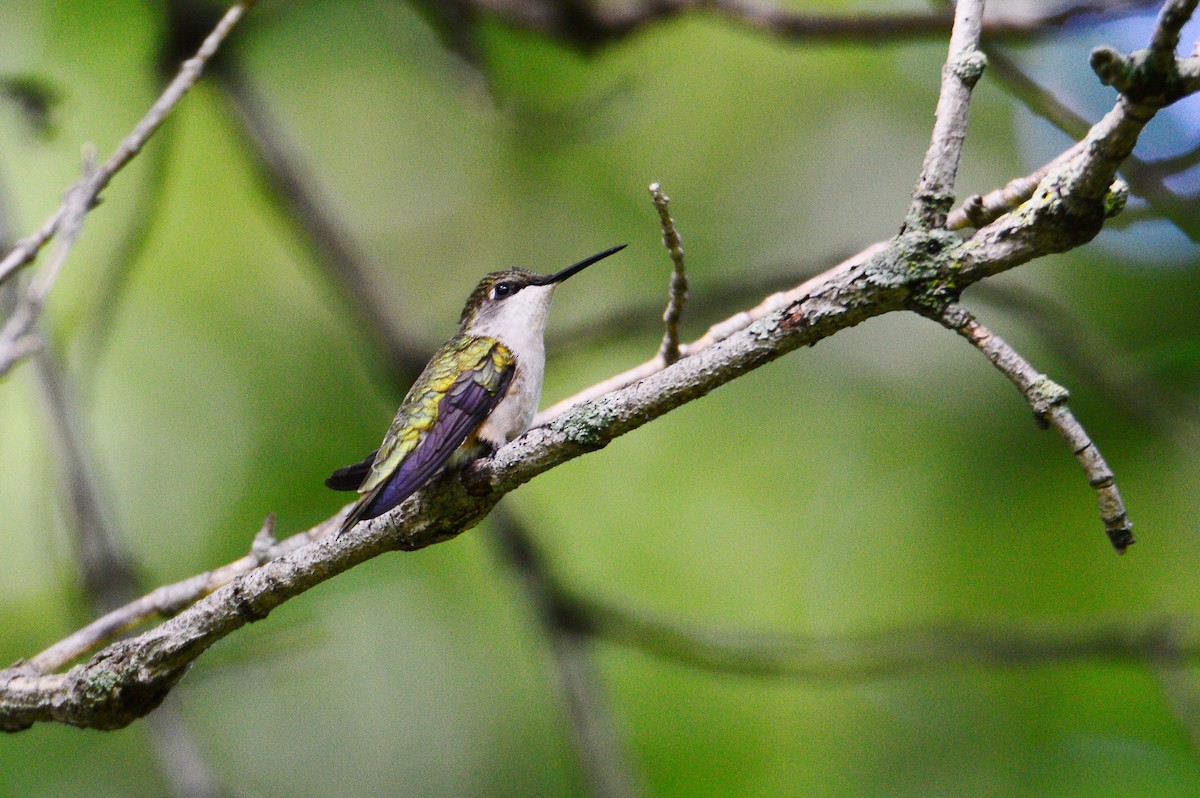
(478, 392)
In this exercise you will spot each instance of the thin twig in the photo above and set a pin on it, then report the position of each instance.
(602, 752)
(1145, 178)
(1123, 379)
(934, 194)
(668, 351)
(26, 249)
(13, 343)
(1049, 403)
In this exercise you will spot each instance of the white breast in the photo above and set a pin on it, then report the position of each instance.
(519, 323)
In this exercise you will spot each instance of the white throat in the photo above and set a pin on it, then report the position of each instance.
(518, 322)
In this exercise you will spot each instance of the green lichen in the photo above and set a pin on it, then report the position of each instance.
(1115, 199)
(969, 66)
(587, 424)
(1046, 394)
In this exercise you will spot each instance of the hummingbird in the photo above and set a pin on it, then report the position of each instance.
(479, 391)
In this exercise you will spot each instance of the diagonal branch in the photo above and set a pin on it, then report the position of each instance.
(1049, 403)
(189, 73)
(919, 269)
(602, 751)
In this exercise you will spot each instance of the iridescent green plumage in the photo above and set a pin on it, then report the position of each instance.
(473, 395)
(485, 360)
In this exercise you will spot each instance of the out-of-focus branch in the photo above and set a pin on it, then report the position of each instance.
(890, 652)
(89, 189)
(108, 575)
(17, 337)
(591, 25)
(602, 750)
(292, 187)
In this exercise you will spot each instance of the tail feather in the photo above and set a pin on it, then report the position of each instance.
(351, 477)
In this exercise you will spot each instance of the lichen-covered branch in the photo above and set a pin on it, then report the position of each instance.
(922, 269)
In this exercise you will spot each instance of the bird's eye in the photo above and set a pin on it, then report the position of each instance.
(502, 290)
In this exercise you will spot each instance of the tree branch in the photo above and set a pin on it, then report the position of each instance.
(601, 750)
(934, 195)
(920, 269)
(1180, 74)
(1049, 403)
(668, 351)
(89, 189)
(893, 651)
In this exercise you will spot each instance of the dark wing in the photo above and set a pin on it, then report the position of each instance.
(351, 477)
(459, 413)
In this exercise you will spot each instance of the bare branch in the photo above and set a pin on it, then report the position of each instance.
(890, 652)
(26, 249)
(668, 351)
(921, 269)
(16, 330)
(1145, 179)
(1119, 377)
(165, 602)
(603, 753)
(934, 195)
(1049, 403)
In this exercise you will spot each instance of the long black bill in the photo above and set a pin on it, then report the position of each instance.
(578, 267)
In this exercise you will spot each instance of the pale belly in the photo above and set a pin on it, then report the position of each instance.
(516, 410)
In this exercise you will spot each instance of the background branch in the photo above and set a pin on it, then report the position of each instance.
(601, 747)
(88, 191)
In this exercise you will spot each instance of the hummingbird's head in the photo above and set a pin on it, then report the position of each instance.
(517, 300)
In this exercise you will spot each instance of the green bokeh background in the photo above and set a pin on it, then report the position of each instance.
(887, 478)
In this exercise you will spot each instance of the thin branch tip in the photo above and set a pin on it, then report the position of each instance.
(669, 350)
(1048, 400)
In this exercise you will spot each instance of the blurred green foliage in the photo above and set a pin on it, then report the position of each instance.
(887, 478)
